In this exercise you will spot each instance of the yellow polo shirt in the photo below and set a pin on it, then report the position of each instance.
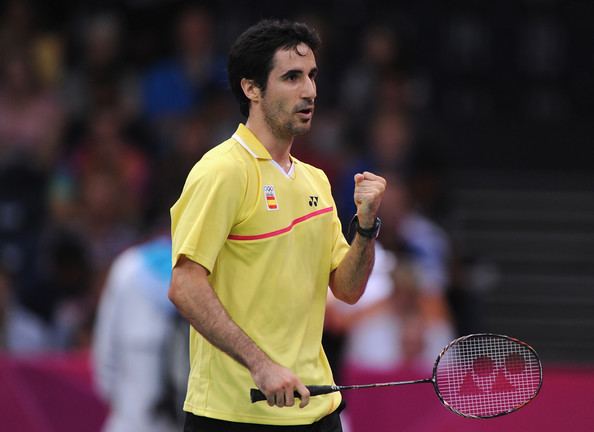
(270, 240)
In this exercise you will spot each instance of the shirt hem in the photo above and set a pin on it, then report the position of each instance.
(279, 421)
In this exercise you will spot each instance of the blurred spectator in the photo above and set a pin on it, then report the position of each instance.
(104, 218)
(176, 86)
(398, 93)
(369, 341)
(104, 147)
(388, 147)
(63, 297)
(140, 348)
(390, 141)
(100, 189)
(424, 322)
(21, 331)
(418, 239)
(133, 324)
(472, 277)
(97, 208)
(322, 147)
(194, 138)
(99, 75)
(31, 117)
(20, 31)
(417, 285)
(359, 87)
(17, 26)
(23, 216)
(52, 308)
(412, 234)
(394, 325)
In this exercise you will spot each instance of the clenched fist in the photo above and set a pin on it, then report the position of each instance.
(369, 191)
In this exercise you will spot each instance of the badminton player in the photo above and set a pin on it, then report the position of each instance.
(257, 242)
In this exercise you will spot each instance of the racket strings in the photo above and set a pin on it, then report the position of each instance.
(487, 376)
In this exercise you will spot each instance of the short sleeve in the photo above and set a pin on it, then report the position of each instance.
(206, 211)
(340, 246)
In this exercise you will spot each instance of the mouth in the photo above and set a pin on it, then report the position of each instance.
(306, 113)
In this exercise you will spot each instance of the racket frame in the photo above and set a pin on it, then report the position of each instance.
(433, 379)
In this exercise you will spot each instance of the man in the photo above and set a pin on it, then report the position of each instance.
(257, 242)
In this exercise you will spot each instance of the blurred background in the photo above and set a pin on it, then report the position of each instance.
(479, 115)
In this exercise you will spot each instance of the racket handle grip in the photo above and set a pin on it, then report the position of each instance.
(314, 390)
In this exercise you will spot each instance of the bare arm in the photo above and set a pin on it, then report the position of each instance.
(195, 299)
(348, 281)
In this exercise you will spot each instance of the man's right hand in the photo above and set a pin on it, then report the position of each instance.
(279, 384)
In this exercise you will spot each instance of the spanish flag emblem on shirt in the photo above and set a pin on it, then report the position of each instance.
(270, 197)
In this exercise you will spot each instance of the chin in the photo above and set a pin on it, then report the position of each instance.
(302, 129)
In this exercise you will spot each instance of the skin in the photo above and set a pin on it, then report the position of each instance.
(277, 115)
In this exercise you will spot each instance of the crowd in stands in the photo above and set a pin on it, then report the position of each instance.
(103, 115)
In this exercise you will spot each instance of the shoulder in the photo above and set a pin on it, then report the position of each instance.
(126, 260)
(223, 162)
(124, 269)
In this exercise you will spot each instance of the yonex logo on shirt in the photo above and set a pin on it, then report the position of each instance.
(313, 201)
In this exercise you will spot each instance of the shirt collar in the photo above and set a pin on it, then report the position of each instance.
(248, 140)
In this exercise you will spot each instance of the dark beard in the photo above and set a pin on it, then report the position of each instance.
(280, 130)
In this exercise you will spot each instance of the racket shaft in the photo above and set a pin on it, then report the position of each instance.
(386, 384)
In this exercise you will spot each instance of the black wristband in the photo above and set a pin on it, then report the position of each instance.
(371, 233)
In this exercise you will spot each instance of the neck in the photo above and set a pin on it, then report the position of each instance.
(279, 147)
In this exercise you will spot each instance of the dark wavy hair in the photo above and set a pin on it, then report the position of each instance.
(252, 53)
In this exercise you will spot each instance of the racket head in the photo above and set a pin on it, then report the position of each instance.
(486, 375)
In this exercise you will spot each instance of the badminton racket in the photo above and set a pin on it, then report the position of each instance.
(480, 375)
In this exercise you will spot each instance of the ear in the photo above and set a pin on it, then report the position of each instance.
(250, 89)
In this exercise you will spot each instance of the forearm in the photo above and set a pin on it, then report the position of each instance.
(197, 302)
(348, 281)
(350, 277)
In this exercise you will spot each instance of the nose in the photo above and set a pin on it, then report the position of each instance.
(309, 89)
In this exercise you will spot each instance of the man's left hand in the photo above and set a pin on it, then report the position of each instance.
(369, 191)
